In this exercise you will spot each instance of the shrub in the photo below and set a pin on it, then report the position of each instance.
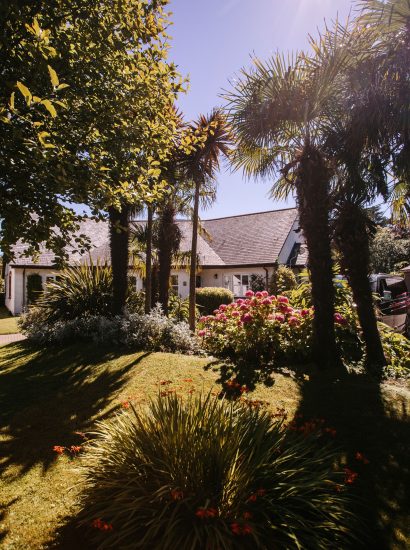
(156, 332)
(79, 291)
(258, 282)
(178, 308)
(208, 474)
(210, 298)
(34, 288)
(397, 350)
(262, 332)
(282, 280)
(152, 332)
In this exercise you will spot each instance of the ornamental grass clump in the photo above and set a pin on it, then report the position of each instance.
(204, 473)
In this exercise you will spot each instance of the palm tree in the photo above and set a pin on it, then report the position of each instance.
(281, 112)
(119, 240)
(390, 22)
(212, 138)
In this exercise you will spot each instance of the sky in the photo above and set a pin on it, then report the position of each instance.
(213, 39)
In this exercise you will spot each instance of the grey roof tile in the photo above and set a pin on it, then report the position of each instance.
(249, 239)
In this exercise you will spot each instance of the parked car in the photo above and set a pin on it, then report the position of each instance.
(394, 305)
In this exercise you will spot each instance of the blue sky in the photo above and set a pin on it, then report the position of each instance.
(213, 39)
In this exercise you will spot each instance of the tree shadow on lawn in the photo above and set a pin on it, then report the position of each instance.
(371, 419)
(45, 399)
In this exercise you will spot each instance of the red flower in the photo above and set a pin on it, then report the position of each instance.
(177, 495)
(101, 525)
(206, 513)
(238, 529)
(361, 458)
(330, 431)
(58, 449)
(247, 515)
(253, 498)
(350, 476)
(125, 404)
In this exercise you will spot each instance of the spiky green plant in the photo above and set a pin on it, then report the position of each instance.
(77, 292)
(204, 473)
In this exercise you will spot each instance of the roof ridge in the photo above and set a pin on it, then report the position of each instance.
(232, 216)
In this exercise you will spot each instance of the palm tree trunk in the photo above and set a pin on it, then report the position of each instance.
(119, 236)
(352, 239)
(148, 261)
(193, 266)
(168, 242)
(312, 188)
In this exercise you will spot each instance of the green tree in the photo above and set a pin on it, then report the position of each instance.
(117, 127)
(281, 112)
(211, 138)
(388, 250)
(32, 99)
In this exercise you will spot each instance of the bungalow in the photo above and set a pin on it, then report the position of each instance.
(230, 251)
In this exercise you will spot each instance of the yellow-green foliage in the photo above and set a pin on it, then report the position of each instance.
(210, 298)
(210, 474)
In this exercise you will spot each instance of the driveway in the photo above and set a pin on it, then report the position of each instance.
(9, 338)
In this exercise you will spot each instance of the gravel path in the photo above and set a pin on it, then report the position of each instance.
(9, 338)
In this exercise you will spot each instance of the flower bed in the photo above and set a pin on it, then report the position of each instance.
(263, 331)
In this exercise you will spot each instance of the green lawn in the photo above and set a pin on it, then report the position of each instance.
(47, 396)
(8, 324)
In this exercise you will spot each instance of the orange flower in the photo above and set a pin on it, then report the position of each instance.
(350, 476)
(101, 525)
(125, 405)
(75, 449)
(58, 449)
(361, 458)
(330, 431)
(238, 529)
(187, 380)
(177, 495)
(206, 513)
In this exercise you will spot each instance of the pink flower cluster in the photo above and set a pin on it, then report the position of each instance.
(253, 308)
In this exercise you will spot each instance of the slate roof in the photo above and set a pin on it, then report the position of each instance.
(248, 239)
(251, 239)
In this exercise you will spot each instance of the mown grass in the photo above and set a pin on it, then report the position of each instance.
(8, 324)
(48, 396)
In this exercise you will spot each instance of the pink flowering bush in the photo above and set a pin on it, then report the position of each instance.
(262, 331)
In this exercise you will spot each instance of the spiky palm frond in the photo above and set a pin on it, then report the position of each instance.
(388, 15)
(213, 138)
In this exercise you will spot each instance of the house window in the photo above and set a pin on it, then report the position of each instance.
(240, 284)
(198, 281)
(9, 285)
(174, 284)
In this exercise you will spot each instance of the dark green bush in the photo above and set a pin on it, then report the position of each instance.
(210, 298)
(209, 474)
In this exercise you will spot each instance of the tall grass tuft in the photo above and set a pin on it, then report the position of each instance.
(208, 474)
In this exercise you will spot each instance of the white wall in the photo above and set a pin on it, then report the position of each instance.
(224, 277)
(19, 296)
(291, 239)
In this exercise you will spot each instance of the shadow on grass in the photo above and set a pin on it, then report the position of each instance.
(372, 420)
(48, 395)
